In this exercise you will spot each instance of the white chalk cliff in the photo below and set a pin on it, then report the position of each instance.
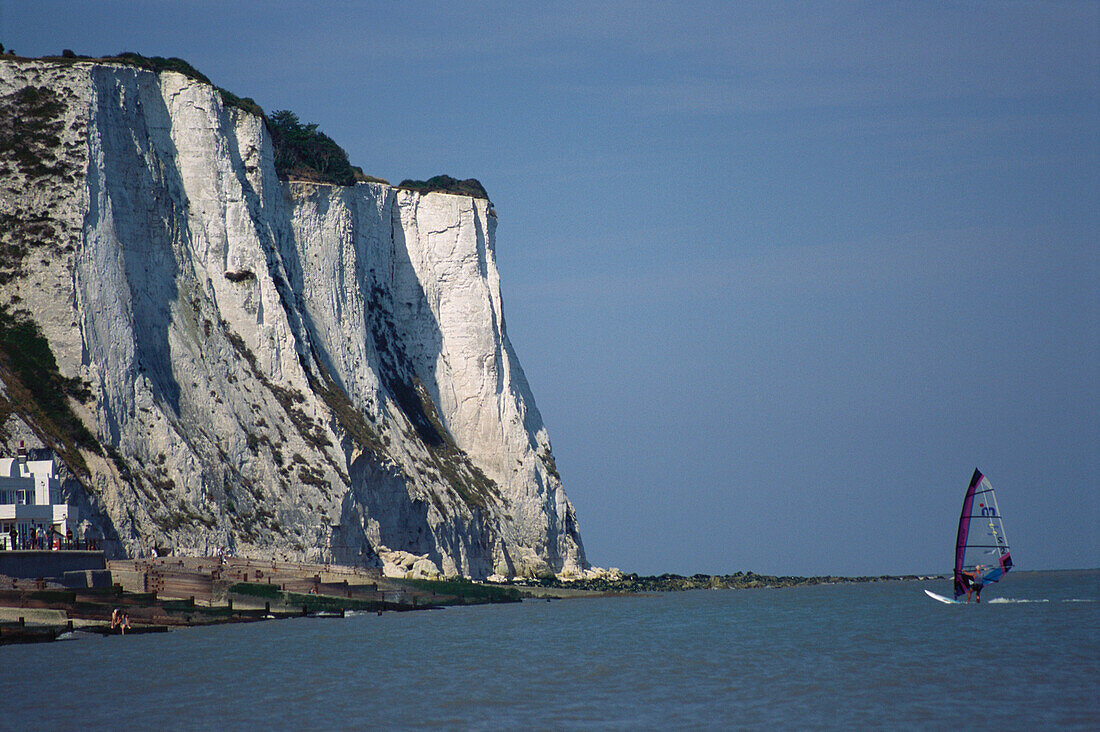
(288, 369)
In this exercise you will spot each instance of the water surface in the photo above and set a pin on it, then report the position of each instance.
(879, 654)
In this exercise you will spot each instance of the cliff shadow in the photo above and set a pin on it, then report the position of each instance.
(141, 184)
(381, 495)
(394, 320)
(378, 499)
(397, 371)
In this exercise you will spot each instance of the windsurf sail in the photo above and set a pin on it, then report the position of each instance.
(981, 546)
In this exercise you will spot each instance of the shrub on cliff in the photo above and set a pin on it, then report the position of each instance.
(302, 151)
(37, 390)
(446, 184)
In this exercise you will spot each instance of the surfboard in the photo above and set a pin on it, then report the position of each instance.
(941, 598)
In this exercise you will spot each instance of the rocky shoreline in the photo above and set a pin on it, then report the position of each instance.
(616, 582)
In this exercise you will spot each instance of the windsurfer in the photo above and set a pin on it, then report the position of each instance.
(981, 536)
(974, 584)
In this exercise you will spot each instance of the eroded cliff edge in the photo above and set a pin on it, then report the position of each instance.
(288, 369)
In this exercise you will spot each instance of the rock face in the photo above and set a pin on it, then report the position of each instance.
(286, 369)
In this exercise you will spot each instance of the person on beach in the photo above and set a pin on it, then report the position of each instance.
(114, 618)
(124, 623)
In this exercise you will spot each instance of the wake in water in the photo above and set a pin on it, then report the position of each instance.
(1009, 600)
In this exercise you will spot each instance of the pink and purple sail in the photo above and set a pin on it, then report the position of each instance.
(981, 546)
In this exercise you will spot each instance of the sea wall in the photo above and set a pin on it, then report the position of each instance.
(49, 564)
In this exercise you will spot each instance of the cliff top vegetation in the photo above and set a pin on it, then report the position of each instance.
(158, 64)
(446, 184)
(302, 151)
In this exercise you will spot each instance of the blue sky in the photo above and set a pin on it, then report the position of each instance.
(780, 274)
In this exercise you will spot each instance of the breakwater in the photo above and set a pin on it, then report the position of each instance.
(630, 583)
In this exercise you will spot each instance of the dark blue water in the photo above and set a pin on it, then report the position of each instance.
(881, 655)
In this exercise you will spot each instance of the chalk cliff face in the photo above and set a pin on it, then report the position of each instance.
(283, 368)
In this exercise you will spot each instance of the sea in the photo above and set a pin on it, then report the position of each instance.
(869, 655)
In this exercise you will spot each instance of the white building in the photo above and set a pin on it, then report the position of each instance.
(30, 499)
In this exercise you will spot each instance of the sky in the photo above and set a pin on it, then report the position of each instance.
(780, 275)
